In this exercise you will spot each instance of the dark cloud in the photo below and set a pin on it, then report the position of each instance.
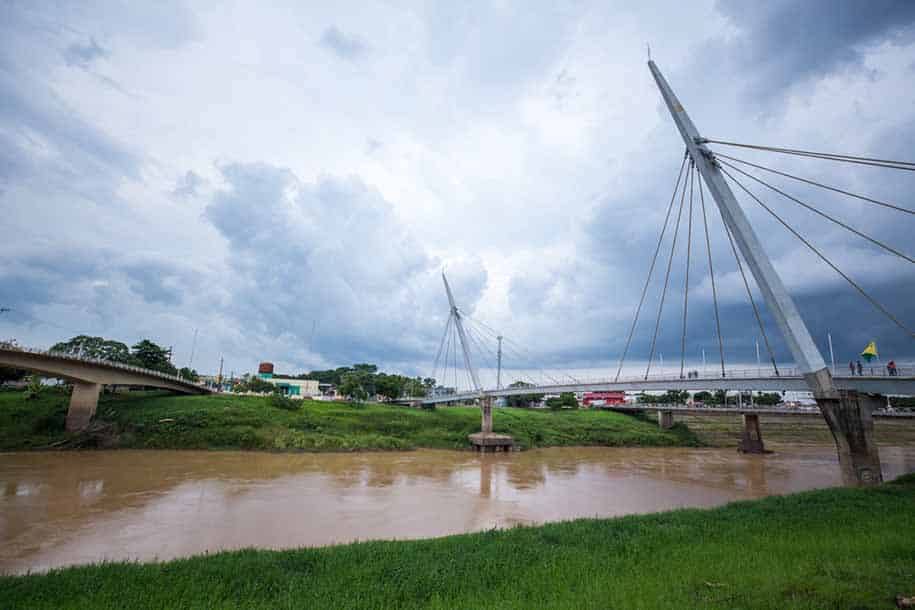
(83, 55)
(332, 255)
(342, 45)
(783, 43)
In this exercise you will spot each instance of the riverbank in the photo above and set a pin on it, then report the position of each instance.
(791, 430)
(834, 548)
(161, 421)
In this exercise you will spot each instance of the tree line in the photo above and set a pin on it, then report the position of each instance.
(145, 353)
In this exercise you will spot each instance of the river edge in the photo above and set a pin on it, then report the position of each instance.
(835, 547)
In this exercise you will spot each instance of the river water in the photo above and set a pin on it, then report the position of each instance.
(67, 508)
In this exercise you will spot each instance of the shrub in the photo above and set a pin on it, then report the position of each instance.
(284, 402)
(34, 388)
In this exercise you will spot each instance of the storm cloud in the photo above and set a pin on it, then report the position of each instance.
(290, 182)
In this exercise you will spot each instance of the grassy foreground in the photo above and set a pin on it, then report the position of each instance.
(836, 548)
(158, 421)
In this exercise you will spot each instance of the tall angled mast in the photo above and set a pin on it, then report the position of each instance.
(460, 329)
(780, 303)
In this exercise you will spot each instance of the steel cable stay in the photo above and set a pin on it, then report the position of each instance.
(651, 267)
(441, 344)
(689, 243)
(670, 261)
(746, 285)
(822, 257)
(887, 163)
(818, 184)
(711, 272)
(476, 341)
(476, 325)
(876, 242)
(518, 350)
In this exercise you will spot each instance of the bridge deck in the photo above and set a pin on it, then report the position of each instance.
(735, 381)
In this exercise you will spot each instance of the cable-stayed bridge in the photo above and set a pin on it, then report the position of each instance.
(847, 402)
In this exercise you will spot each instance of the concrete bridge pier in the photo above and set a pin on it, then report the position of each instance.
(486, 409)
(751, 441)
(851, 421)
(665, 419)
(83, 402)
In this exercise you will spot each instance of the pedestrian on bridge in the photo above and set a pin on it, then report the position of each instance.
(851, 367)
(860, 368)
(891, 368)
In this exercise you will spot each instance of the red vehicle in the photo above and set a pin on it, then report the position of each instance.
(604, 398)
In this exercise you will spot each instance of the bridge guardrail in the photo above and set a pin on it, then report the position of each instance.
(109, 363)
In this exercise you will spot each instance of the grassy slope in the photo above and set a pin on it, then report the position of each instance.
(838, 548)
(223, 422)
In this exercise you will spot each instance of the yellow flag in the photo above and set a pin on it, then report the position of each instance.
(870, 352)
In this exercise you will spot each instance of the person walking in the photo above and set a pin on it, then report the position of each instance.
(891, 367)
(851, 367)
(860, 368)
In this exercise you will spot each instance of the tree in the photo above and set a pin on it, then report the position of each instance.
(150, 356)
(523, 400)
(99, 348)
(566, 400)
(189, 374)
(391, 387)
(704, 397)
(357, 385)
(257, 385)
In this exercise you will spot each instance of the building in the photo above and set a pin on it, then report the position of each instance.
(289, 386)
(603, 398)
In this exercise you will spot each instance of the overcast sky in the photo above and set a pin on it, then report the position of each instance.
(290, 180)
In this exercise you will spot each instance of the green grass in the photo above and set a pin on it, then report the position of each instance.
(161, 421)
(836, 548)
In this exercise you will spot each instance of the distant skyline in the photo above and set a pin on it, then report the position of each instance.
(290, 180)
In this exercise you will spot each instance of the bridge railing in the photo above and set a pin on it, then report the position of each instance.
(108, 363)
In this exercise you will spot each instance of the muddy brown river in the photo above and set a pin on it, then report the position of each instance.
(60, 509)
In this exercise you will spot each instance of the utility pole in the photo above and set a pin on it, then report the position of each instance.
(832, 354)
(758, 364)
(499, 364)
(847, 413)
(219, 377)
(190, 360)
(704, 369)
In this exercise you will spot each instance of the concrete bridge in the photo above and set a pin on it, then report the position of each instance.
(88, 375)
(876, 382)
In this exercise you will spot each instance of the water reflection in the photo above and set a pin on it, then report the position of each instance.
(63, 508)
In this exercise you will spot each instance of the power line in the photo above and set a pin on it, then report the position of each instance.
(854, 284)
(819, 184)
(901, 165)
(654, 260)
(876, 242)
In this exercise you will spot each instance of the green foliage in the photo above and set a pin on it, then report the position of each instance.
(525, 400)
(151, 356)
(833, 548)
(668, 397)
(357, 385)
(257, 385)
(566, 400)
(157, 420)
(189, 374)
(94, 347)
(34, 389)
(283, 402)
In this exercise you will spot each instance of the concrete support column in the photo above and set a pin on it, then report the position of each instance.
(486, 407)
(83, 402)
(665, 419)
(850, 419)
(751, 441)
